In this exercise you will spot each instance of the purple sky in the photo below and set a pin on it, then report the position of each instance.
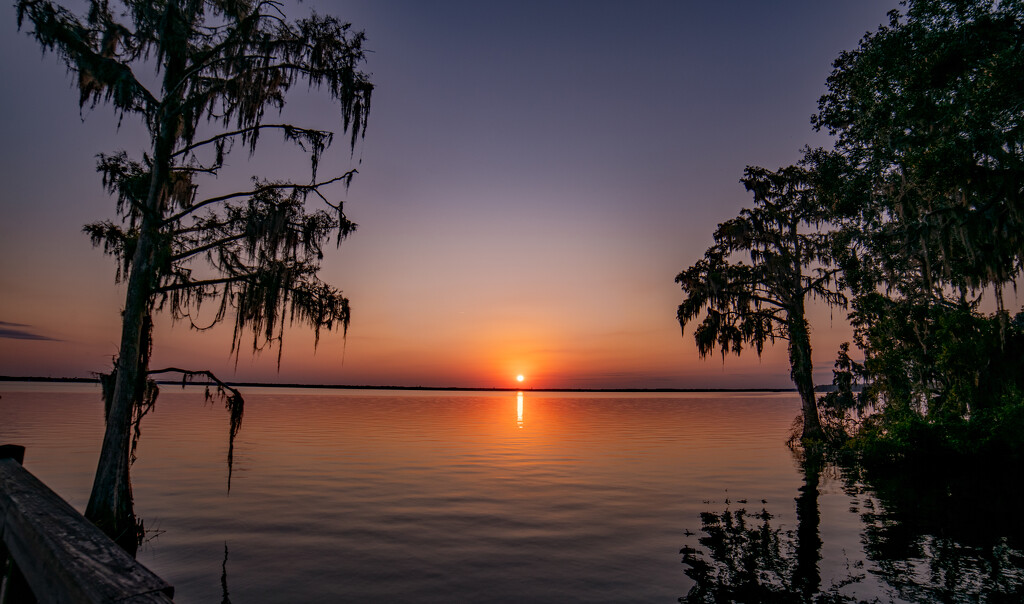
(534, 176)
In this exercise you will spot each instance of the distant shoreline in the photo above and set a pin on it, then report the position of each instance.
(74, 380)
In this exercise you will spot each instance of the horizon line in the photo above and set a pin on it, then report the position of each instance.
(95, 380)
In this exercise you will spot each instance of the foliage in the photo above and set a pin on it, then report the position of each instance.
(974, 412)
(842, 408)
(928, 111)
(215, 68)
(926, 182)
(751, 303)
(224, 65)
(963, 398)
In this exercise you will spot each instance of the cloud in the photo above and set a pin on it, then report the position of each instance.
(12, 331)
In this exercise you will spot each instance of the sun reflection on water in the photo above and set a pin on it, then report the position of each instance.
(519, 409)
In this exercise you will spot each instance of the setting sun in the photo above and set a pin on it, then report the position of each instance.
(520, 378)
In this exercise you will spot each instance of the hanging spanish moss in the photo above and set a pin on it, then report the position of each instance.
(146, 393)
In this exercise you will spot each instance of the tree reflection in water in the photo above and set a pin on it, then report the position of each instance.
(224, 599)
(923, 545)
(742, 558)
(943, 536)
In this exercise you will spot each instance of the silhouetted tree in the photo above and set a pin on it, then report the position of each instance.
(756, 303)
(218, 66)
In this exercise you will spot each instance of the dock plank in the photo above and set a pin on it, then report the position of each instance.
(63, 556)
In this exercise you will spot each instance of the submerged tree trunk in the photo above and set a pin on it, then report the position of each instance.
(802, 373)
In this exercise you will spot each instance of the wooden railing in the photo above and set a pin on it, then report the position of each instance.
(60, 555)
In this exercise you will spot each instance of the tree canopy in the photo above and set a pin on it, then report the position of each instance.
(928, 115)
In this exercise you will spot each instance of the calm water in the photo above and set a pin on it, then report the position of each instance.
(439, 497)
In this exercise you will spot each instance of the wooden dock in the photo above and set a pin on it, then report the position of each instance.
(60, 555)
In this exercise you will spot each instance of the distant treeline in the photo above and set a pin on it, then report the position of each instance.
(35, 378)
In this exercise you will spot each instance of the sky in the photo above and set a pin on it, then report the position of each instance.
(533, 177)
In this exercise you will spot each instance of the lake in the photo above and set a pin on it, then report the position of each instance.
(398, 496)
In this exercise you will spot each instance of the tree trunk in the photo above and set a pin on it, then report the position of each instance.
(110, 503)
(802, 373)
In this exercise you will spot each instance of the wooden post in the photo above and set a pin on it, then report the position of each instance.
(63, 557)
(15, 452)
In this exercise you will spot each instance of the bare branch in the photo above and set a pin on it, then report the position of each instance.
(193, 372)
(287, 185)
(226, 135)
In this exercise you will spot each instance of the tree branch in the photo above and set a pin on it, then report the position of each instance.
(225, 135)
(287, 185)
(203, 248)
(234, 403)
(190, 373)
(823, 278)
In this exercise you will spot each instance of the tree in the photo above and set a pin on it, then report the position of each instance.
(218, 66)
(757, 303)
(928, 187)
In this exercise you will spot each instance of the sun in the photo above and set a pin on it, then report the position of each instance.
(520, 377)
